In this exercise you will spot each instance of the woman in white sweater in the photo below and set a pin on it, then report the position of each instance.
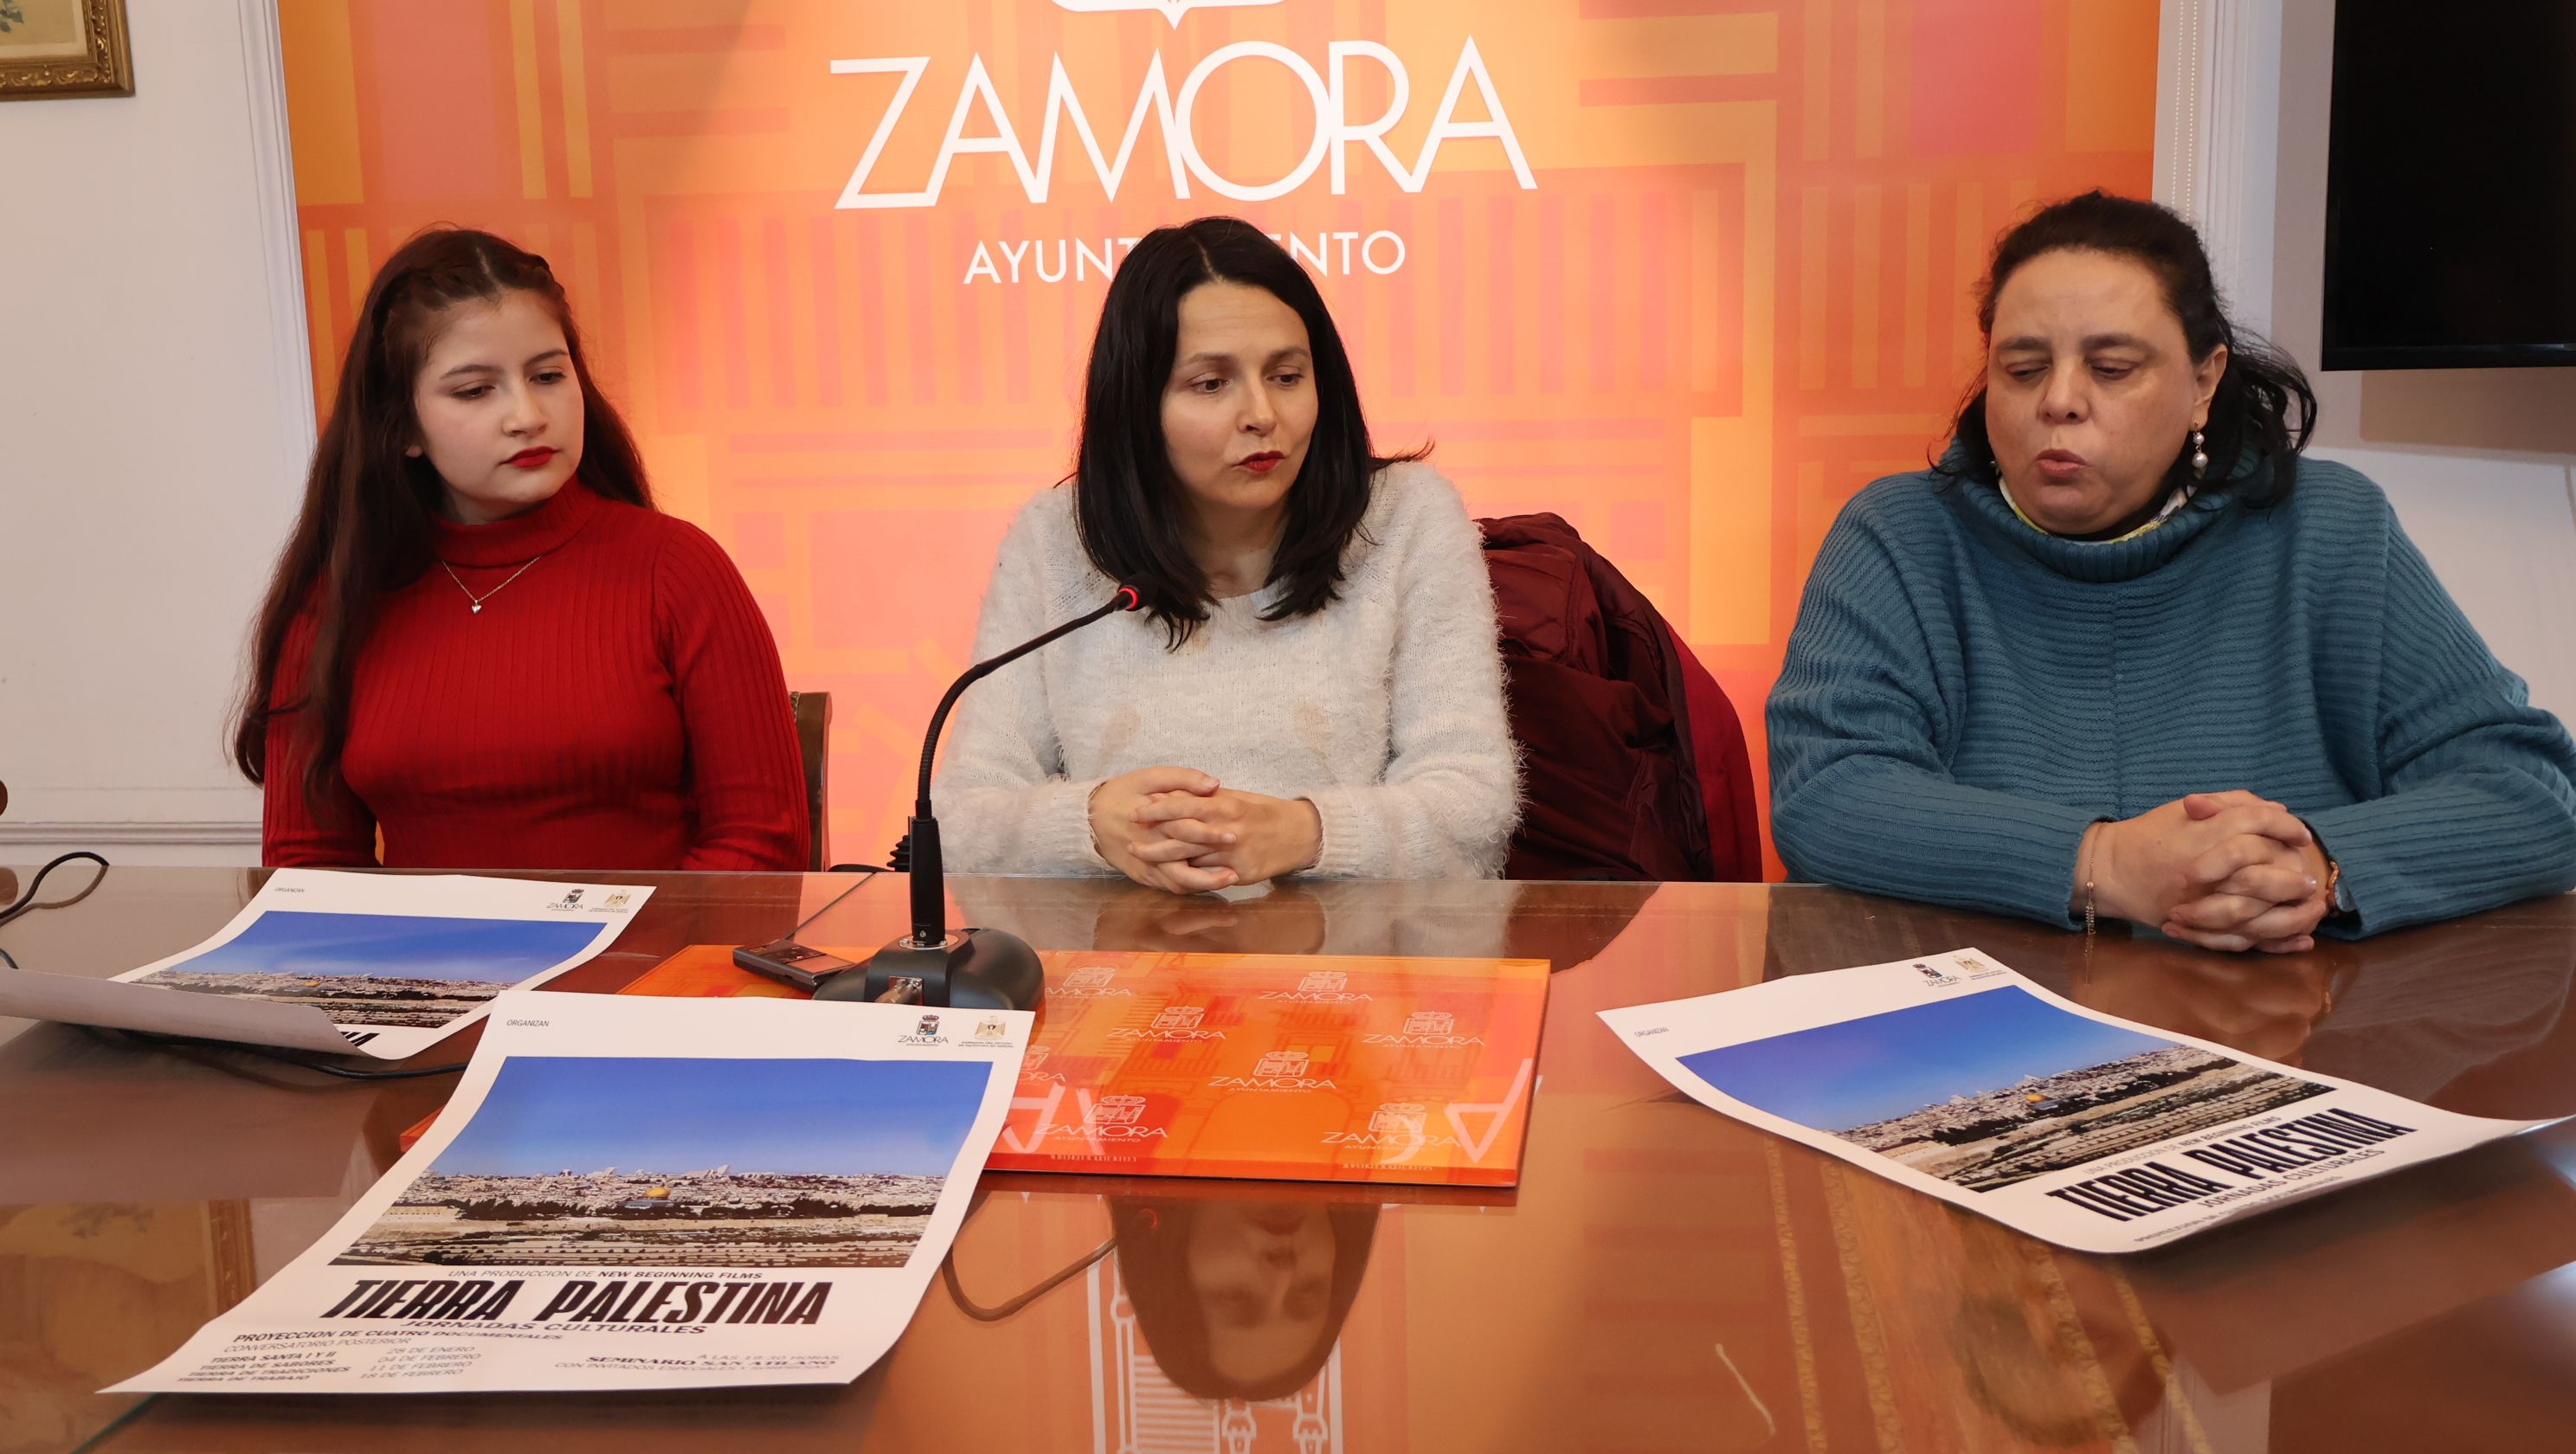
(1314, 686)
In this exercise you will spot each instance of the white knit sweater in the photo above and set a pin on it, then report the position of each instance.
(1385, 709)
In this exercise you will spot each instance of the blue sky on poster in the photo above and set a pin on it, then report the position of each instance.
(396, 946)
(1859, 1071)
(674, 1114)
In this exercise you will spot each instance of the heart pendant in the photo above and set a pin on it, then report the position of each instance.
(478, 608)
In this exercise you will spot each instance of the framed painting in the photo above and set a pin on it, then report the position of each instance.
(64, 48)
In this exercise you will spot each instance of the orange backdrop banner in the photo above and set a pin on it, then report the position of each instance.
(1686, 272)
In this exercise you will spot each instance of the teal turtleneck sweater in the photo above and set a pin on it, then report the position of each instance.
(1964, 694)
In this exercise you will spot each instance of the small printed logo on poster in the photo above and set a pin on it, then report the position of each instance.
(1934, 977)
(570, 902)
(926, 1033)
(991, 1034)
(1979, 969)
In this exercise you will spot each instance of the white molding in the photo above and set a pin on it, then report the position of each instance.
(224, 832)
(216, 843)
(2179, 27)
(280, 233)
(2218, 132)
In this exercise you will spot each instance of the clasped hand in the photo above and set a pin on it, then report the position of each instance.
(2228, 871)
(1179, 829)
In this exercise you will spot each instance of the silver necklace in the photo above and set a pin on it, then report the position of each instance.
(475, 600)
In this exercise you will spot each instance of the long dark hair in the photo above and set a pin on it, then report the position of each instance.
(1125, 497)
(2263, 412)
(366, 525)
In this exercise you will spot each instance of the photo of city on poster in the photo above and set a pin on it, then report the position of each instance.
(630, 1161)
(415, 971)
(1989, 1089)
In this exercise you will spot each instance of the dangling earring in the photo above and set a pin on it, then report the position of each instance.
(2199, 456)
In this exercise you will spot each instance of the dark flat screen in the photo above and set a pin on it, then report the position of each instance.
(2451, 185)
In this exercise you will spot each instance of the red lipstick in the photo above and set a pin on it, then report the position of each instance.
(530, 459)
(1262, 463)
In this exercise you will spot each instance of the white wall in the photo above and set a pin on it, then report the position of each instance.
(154, 425)
(2480, 463)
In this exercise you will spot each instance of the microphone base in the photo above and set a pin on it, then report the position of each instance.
(973, 969)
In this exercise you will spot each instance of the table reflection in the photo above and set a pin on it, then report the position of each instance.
(1564, 924)
(1216, 1305)
(2414, 1013)
(1664, 1277)
(99, 1291)
(1240, 1300)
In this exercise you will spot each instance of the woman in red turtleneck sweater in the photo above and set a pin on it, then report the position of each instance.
(483, 642)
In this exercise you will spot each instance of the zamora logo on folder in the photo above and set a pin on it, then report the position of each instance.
(1247, 1065)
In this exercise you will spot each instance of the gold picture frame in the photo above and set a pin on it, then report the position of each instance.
(51, 48)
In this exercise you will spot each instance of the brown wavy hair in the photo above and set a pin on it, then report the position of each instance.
(366, 526)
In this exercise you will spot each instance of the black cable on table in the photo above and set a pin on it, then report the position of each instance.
(27, 903)
(27, 900)
(981, 1314)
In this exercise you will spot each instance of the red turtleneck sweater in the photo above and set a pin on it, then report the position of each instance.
(618, 705)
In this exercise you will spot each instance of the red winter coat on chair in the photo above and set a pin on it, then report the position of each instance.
(1634, 765)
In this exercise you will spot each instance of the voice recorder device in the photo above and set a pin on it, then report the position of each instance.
(791, 962)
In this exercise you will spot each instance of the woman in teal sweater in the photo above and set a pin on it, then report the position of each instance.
(2124, 653)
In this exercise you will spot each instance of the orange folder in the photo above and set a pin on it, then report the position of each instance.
(1286, 1066)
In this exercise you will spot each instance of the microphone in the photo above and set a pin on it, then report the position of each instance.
(982, 969)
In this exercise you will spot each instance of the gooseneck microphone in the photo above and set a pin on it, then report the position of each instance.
(984, 969)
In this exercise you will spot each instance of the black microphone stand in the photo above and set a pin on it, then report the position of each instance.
(983, 969)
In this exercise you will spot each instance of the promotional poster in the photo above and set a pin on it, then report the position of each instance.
(633, 1193)
(1955, 1076)
(380, 964)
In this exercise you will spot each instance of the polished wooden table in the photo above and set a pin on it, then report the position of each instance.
(1663, 1279)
